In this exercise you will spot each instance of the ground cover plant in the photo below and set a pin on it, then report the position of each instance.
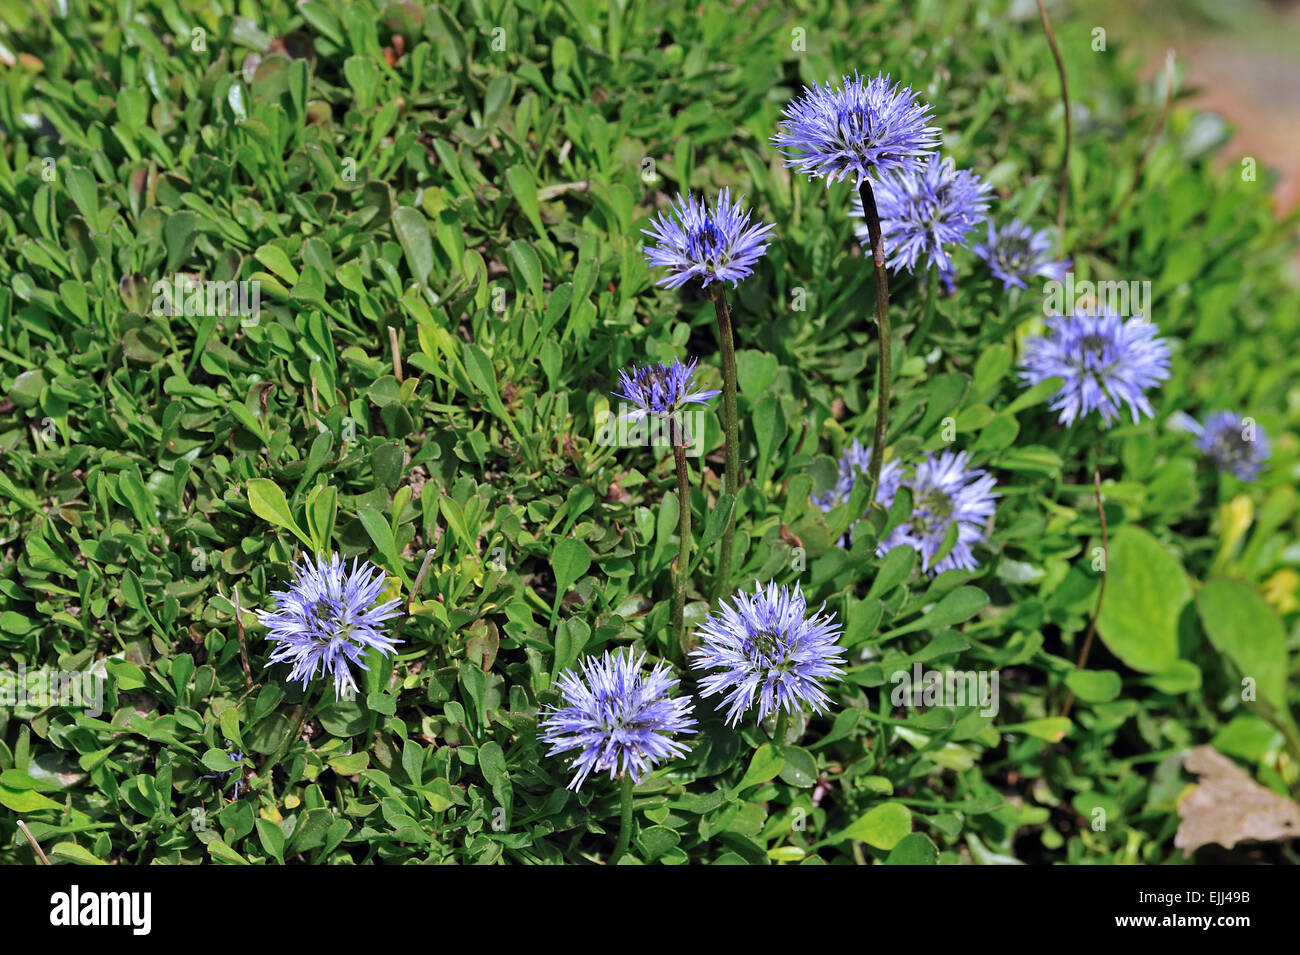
(451, 433)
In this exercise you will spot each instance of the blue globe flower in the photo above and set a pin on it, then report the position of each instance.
(1235, 444)
(945, 492)
(618, 717)
(1105, 361)
(661, 390)
(694, 241)
(1016, 253)
(328, 619)
(767, 650)
(863, 128)
(925, 210)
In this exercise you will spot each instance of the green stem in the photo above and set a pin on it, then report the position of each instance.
(782, 724)
(882, 319)
(1101, 590)
(722, 583)
(931, 304)
(682, 568)
(625, 824)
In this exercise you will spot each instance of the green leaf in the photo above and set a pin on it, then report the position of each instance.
(275, 259)
(1146, 590)
(763, 765)
(894, 569)
(1094, 686)
(913, 849)
(1245, 629)
(382, 534)
(71, 852)
(25, 800)
(269, 503)
(571, 559)
(524, 189)
(882, 827)
(799, 768)
(1053, 729)
(530, 267)
(955, 606)
(412, 230)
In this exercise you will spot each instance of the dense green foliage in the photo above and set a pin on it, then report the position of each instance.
(473, 176)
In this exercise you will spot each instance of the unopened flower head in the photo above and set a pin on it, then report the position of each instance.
(945, 492)
(925, 211)
(328, 619)
(694, 241)
(1015, 253)
(862, 128)
(767, 650)
(660, 390)
(1105, 361)
(1236, 444)
(618, 717)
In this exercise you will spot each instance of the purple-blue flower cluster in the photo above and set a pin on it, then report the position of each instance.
(660, 390)
(946, 493)
(1015, 253)
(1105, 361)
(618, 717)
(925, 210)
(862, 128)
(694, 241)
(767, 650)
(1235, 444)
(328, 619)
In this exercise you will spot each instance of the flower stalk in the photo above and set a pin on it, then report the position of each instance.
(731, 425)
(681, 570)
(625, 819)
(882, 320)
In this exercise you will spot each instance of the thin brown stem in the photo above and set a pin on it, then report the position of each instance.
(35, 845)
(397, 352)
(882, 320)
(243, 643)
(1063, 178)
(1101, 593)
(415, 592)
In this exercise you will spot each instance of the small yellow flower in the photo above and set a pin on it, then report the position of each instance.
(1281, 589)
(1234, 520)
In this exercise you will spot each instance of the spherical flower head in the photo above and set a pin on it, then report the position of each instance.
(768, 649)
(660, 390)
(328, 619)
(618, 717)
(1235, 444)
(925, 210)
(1105, 361)
(693, 241)
(944, 492)
(863, 128)
(1016, 253)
